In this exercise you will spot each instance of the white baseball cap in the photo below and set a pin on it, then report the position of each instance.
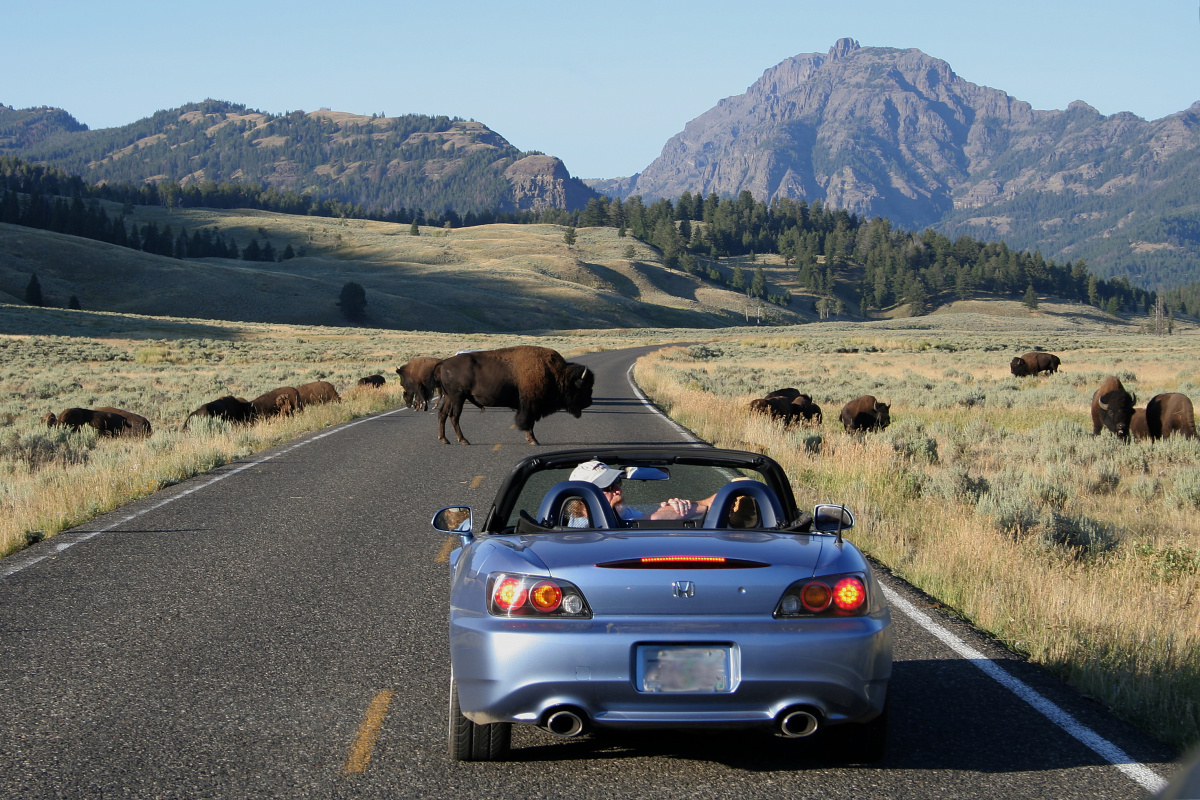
(598, 473)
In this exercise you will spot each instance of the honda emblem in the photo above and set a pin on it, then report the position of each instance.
(683, 589)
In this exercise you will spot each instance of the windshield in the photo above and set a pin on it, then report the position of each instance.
(643, 496)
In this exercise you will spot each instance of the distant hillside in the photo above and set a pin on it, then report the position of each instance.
(380, 163)
(488, 278)
(885, 132)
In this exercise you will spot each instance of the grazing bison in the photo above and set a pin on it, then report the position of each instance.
(372, 381)
(106, 421)
(1112, 408)
(804, 407)
(317, 392)
(789, 393)
(228, 408)
(777, 408)
(1170, 414)
(866, 413)
(278, 402)
(138, 425)
(1033, 363)
(416, 381)
(533, 381)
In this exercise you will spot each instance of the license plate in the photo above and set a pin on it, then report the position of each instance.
(703, 669)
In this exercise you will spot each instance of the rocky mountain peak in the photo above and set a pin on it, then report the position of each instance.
(843, 47)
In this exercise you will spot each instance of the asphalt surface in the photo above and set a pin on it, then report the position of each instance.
(277, 629)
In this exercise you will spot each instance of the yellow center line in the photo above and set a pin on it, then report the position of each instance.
(478, 480)
(443, 555)
(497, 447)
(368, 732)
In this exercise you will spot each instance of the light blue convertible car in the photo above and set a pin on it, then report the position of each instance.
(663, 588)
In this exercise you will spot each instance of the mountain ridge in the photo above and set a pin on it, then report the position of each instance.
(381, 163)
(888, 132)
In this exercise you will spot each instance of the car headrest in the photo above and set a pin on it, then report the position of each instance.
(770, 512)
(599, 509)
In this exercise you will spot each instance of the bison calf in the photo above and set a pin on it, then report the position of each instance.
(372, 381)
(865, 414)
(1112, 408)
(416, 381)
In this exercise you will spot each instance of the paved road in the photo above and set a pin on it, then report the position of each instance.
(277, 629)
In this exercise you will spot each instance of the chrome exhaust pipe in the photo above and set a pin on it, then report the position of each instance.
(564, 722)
(795, 723)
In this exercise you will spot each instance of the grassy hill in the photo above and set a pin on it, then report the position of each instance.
(486, 278)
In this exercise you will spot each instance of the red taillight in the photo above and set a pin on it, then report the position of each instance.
(849, 594)
(509, 594)
(683, 560)
(545, 596)
(816, 596)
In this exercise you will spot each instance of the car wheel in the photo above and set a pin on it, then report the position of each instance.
(858, 743)
(470, 741)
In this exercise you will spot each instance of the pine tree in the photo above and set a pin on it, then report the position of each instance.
(569, 236)
(414, 229)
(73, 303)
(1031, 298)
(353, 301)
(33, 292)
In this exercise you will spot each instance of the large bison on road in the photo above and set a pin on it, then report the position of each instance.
(533, 381)
(1112, 407)
(1033, 363)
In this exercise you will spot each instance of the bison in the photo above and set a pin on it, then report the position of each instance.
(1170, 414)
(372, 381)
(106, 421)
(317, 392)
(804, 407)
(777, 408)
(533, 381)
(416, 381)
(1112, 408)
(1033, 363)
(866, 413)
(138, 425)
(278, 402)
(1138, 426)
(789, 393)
(228, 408)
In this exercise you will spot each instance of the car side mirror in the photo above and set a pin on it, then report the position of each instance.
(455, 519)
(830, 518)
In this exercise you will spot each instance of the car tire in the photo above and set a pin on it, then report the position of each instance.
(470, 741)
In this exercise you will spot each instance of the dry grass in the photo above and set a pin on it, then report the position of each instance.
(989, 492)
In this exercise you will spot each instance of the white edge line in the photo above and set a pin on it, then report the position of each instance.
(1139, 773)
(682, 431)
(1147, 778)
(69, 540)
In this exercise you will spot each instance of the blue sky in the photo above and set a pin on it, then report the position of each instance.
(601, 85)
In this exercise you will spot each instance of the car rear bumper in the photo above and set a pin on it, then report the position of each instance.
(511, 670)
